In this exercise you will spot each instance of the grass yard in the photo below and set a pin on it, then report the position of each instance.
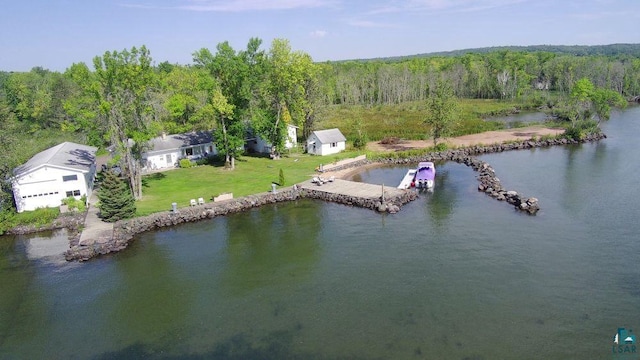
(252, 175)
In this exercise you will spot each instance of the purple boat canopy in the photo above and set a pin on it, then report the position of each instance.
(426, 171)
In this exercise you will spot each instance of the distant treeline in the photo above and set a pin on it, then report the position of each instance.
(44, 99)
(576, 50)
(489, 73)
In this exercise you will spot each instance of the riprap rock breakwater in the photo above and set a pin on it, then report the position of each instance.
(489, 182)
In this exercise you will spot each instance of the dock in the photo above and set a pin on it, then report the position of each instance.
(407, 180)
(377, 197)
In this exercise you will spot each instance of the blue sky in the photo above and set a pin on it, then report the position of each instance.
(57, 33)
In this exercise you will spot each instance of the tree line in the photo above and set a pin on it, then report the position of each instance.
(495, 75)
(124, 95)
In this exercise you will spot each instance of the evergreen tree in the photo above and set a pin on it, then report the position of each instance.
(281, 178)
(116, 199)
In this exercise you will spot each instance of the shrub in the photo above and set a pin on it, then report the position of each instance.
(440, 147)
(281, 178)
(580, 129)
(185, 163)
(78, 205)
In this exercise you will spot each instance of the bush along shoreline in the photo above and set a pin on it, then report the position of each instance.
(125, 230)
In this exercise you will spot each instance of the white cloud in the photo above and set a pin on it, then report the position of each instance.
(253, 5)
(440, 6)
(370, 24)
(318, 34)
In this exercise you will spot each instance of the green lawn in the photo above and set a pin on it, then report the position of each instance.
(252, 175)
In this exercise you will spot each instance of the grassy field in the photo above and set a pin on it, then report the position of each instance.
(405, 120)
(252, 175)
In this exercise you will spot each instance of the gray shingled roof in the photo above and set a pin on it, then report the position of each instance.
(329, 136)
(178, 141)
(66, 155)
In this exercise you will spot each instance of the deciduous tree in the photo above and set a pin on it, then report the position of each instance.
(125, 81)
(442, 105)
(594, 102)
(283, 93)
(229, 102)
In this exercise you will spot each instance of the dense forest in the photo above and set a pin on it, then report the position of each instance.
(126, 95)
(576, 50)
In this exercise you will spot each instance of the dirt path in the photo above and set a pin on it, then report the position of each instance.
(485, 138)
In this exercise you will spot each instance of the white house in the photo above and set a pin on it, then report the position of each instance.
(326, 142)
(165, 151)
(257, 144)
(65, 170)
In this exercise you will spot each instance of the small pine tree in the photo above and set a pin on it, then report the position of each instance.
(116, 199)
(281, 178)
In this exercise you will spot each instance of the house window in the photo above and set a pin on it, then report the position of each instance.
(334, 144)
(188, 151)
(73, 193)
(70, 177)
(69, 193)
(169, 159)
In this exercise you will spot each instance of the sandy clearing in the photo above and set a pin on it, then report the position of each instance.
(485, 138)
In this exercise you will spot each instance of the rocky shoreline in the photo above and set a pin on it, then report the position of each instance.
(125, 230)
(489, 182)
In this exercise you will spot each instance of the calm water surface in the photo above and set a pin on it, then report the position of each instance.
(454, 275)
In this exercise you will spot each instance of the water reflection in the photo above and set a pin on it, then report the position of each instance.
(276, 246)
(441, 201)
(152, 297)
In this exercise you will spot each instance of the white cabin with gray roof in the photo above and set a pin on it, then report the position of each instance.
(326, 142)
(165, 151)
(65, 170)
(255, 143)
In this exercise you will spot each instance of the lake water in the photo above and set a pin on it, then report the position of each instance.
(454, 275)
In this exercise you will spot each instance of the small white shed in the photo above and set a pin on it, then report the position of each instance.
(326, 142)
